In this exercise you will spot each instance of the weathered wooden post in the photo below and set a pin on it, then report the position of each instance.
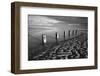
(69, 33)
(64, 35)
(57, 37)
(44, 39)
(75, 32)
(72, 32)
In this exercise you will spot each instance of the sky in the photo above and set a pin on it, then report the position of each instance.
(42, 23)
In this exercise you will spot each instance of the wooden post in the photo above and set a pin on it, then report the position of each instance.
(64, 35)
(72, 32)
(57, 37)
(44, 39)
(69, 33)
(75, 32)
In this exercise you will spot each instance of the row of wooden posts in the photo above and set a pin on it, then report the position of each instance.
(57, 36)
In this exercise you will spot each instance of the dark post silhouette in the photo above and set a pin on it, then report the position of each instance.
(72, 32)
(69, 33)
(75, 32)
(64, 36)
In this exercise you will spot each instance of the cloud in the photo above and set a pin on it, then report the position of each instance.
(41, 20)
